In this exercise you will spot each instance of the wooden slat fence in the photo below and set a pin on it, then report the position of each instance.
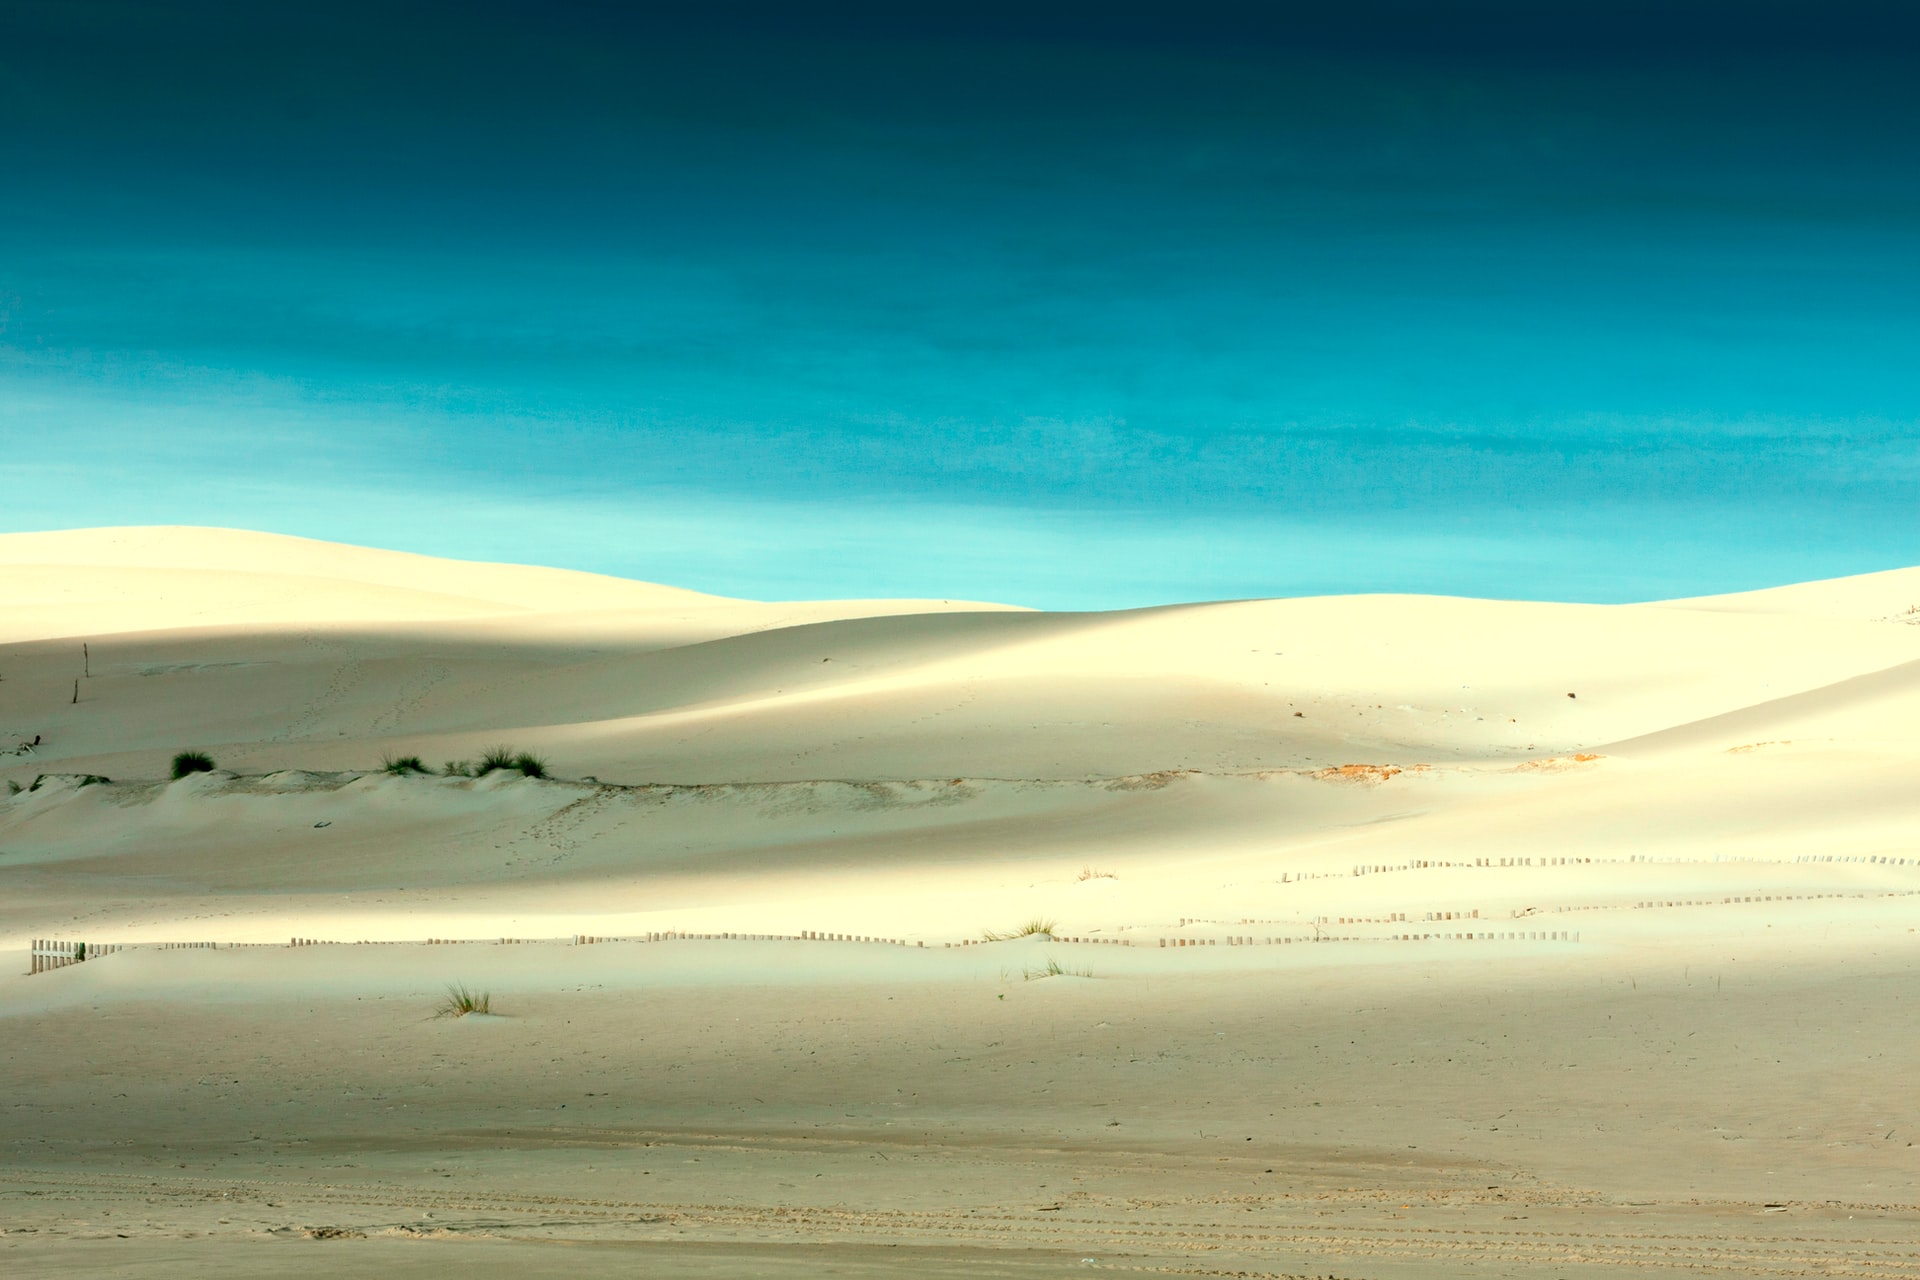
(51, 954)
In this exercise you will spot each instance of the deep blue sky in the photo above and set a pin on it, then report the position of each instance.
(1070, 305)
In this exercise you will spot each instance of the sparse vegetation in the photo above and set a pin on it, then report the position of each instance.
(507, 758)
(402, 764)
(460, 1002)
(1089, 873)
(191, 762)
(1034, 928)
(14, 788)
(495, 758)
(492, 760)
(1054, 969)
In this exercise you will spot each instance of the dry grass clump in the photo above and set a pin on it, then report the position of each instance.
(402, 764)
(460, 1002)
(1090, 873)
(1034, 928)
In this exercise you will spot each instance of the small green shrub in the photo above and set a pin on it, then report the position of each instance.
(460, 1002)
(402, 764)
(530, 764)
(191, 762)
(14, 788)
(458, 769)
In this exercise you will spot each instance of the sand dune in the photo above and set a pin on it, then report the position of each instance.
(690, 689)
(1421, 934)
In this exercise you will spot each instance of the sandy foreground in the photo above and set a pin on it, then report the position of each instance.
(1389, 936)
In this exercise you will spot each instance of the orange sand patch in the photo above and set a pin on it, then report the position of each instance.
(1357, 773)
(1556, 764)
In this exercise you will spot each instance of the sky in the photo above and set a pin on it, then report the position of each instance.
(1070, 305)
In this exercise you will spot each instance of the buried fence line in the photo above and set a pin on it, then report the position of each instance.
(1642, 859)
(1238, 940)
(48, 954)
(1727, 900)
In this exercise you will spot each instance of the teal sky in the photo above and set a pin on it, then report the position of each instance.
(1111, 306)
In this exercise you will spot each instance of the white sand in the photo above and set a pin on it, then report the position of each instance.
(1691, 891)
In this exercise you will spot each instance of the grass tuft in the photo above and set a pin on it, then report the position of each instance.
(1034, 928)
(506, 758)
(1089, 873)
(458, 769)
(1054, 969)
(460, 1002)
(402, 764)
(191, 762)
(494, 758)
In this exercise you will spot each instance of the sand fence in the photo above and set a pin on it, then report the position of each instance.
(51, 954)
(1467, 925)
(48, 955)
